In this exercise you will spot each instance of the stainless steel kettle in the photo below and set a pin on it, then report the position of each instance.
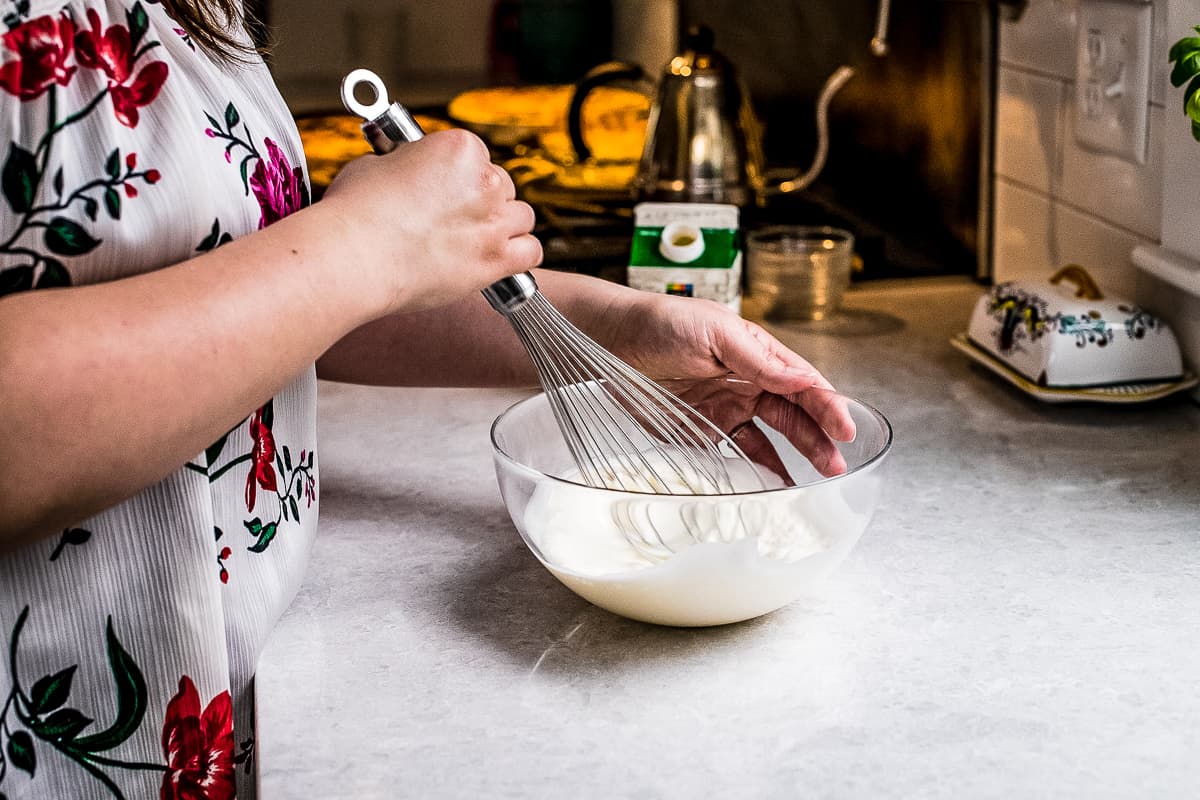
(703, 140)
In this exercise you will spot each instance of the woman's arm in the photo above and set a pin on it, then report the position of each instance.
(106, 389)
(469, 344)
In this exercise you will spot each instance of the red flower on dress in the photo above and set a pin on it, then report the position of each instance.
(262, 473)
(43, 46)
(198, 747)
(278, 186)
(111, 51)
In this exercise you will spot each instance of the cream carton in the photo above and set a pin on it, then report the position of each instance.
(689, 249)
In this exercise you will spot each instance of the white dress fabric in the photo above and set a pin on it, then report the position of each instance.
(128, 642)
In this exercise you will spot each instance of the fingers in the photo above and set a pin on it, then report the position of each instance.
(830, 410)
(523, 253)
(806, 433)
(496, 179)
(755, 445)
(757, 356)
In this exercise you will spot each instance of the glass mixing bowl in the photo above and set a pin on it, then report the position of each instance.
(692, 560)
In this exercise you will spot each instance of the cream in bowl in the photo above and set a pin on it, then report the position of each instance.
(694, 560)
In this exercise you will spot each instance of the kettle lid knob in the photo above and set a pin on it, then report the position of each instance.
(699, 39)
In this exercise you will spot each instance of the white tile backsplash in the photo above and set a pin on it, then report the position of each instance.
(1057, 202)
(1022, 237)
(1103, 250)
(1029, 128)
(1042, 39)
(1113, 189)
(1036, 234)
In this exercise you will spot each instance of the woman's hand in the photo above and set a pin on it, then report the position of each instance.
(435, 218)
(687, 338)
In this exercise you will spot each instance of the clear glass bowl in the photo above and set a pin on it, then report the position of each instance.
(697, 559)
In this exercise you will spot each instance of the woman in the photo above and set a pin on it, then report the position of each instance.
(167, 290)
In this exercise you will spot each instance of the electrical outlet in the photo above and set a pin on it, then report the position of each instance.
(1112, 77)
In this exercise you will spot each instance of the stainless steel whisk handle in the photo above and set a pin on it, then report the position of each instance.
(387, 125)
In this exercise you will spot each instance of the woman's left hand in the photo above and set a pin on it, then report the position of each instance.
(686, 338)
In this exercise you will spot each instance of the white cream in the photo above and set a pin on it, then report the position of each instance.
(691, 560)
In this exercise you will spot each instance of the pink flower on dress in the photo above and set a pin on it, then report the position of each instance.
(262, 471)
(278, 186)
(43, 46)
(198, 747)
(111, 51)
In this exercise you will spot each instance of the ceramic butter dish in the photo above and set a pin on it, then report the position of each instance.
(1065, 333)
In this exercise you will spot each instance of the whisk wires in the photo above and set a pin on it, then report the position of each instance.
(622, 430)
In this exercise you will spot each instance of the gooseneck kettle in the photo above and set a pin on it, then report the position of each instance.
(703, 140)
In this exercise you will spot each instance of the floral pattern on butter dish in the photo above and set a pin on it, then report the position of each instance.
(1025, 317)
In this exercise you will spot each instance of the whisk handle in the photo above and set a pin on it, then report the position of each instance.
(386, 126)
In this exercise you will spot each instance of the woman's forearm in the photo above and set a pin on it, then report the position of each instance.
(108, 388)
(467, 343)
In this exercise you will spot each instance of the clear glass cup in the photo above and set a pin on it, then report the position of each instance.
(799, 271)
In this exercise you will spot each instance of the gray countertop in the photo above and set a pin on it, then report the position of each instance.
(1021, 618)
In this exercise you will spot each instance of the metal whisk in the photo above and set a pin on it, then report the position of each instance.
(622, 429)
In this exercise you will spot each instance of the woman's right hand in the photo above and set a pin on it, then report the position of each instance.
(434, 220)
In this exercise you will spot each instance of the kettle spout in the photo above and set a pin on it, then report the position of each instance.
(833, 85)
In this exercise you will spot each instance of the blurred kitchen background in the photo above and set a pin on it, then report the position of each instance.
(995, 139)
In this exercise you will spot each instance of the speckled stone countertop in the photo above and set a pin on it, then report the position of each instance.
(1021, 619)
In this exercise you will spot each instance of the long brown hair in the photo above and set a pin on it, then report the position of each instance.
(212, 25)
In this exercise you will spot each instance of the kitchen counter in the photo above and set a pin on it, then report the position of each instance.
(1019, 620)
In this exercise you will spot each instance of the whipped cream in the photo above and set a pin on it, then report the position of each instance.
(693, 559)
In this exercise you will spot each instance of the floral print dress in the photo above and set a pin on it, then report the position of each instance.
(128, 642)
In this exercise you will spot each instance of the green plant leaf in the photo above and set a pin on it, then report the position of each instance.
(90, 207)
(1191, 99)
(287, 458)
(131, 698)
(1181, 48)
(58, 181)
(66, 237)
(295, 508)
(52, 691)
(112, 164)
(1187, 66)
(231, 116)
(112, 203)
(264, 538)
(20, 752)
(62, 726)
(254, 525)
(53, 274)
(18, 178)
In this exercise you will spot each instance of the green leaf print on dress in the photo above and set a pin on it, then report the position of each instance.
(279, 189)
(50, 51)
(197, 745)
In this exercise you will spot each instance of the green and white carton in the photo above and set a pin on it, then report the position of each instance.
(689, 249)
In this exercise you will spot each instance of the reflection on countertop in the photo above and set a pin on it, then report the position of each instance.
(1016, 621)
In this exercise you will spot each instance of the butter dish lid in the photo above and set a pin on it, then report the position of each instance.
(1064, 332)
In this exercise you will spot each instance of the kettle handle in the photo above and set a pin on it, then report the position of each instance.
(598, 75)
